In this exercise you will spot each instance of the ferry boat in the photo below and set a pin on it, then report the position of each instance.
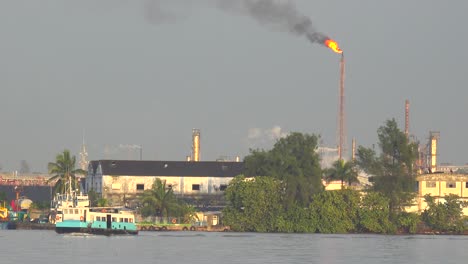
(73, 214)
(99, 220)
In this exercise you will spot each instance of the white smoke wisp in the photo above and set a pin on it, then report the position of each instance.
(129, 146)
(261, 138)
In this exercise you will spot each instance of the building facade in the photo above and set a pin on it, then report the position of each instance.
(439, 185)
(119, 180)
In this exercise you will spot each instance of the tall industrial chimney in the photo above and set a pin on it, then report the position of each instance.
(433, 138)
(341, 114)
(196, 144)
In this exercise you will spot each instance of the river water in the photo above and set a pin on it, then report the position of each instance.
(43, 246)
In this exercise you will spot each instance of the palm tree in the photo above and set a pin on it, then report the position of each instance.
(342, 170)
(159, 199)
(64, 172)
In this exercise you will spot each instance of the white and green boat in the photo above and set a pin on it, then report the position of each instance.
(73, 215)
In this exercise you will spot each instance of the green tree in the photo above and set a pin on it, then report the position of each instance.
(446, 216)
(254, 205)
(159, 200)
(408, 222)
(295, 162)
(392, 172)
(342, 171)
(374, 214)
(64, 173)
(335, 211)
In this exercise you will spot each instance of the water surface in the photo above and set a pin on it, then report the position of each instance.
(43, 246)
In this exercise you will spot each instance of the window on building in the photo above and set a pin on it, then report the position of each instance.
(140, 187)
(466, 184)
(222, 187)
(450, 185)
(195, 187)
(430, 184)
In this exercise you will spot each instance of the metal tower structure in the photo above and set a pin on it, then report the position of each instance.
(83, 156)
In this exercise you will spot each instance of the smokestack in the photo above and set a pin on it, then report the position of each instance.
(407, 118)
(341, 114)
(433, 138)
(196, 144)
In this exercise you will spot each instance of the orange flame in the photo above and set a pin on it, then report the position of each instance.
(333, 45)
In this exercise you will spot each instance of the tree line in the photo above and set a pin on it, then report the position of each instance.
(283, 190)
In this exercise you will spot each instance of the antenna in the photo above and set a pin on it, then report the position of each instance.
(84, 155)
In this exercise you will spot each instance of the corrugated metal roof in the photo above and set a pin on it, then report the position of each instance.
(170, 168)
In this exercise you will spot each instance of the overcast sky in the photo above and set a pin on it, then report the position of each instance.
(130, 73)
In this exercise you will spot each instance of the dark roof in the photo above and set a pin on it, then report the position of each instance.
(171, 168)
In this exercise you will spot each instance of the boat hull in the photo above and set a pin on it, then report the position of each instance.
(73, 226)
(94, 231)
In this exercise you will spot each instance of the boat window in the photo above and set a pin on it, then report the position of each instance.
(65, 211)
(76, 211)
(121, 220)
(98, 218)
(126, 220)
(131, 220)
(114, 219)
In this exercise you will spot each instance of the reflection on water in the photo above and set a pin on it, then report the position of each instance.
(39, 246)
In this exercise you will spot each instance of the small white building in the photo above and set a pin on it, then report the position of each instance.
(117, 180)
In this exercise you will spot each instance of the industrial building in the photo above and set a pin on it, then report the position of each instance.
(122, 181)
(439, 185)
(119, 179)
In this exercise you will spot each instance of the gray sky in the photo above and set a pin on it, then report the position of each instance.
(129, 78)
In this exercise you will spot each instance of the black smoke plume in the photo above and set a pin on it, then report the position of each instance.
(280, 15)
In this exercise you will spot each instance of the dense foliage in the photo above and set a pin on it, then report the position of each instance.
(161, 201)
(255, 206)
(283, 191)
(445, 216)
(295, 162)
(392, 171)
(344, 171)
